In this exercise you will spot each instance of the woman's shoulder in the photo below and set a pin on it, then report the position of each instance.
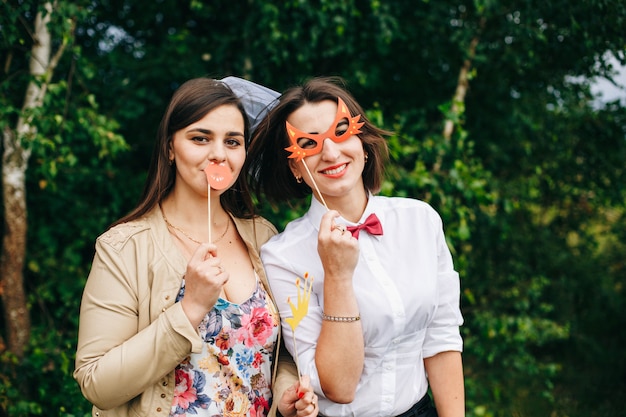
(257, 222)
(403, 202)
(296, 233)
(409, 206)
(117, 236)
(259, 227)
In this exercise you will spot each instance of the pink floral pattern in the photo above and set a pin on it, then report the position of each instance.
(232, 375)
(255, 328)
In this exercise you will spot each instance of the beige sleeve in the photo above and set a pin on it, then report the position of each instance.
(115, 359)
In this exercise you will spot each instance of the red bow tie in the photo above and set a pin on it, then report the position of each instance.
(372, 226)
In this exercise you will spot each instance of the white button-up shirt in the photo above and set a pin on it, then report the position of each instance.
(408, 296)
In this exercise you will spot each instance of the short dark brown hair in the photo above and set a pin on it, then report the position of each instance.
(267, 164)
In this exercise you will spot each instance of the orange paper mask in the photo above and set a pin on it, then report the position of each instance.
(306, 144)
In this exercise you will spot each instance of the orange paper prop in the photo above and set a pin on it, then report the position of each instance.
(305, 144)
(218, 175)
(300, 310)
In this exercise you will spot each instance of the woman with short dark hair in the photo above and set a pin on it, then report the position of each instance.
(384, 315)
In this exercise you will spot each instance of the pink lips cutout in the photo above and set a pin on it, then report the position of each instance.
(218, 175)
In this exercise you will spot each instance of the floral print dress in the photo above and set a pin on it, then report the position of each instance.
(232, 375)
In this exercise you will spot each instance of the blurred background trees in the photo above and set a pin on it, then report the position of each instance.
(494, 125)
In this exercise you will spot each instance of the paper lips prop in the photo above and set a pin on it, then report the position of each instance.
(219, 175)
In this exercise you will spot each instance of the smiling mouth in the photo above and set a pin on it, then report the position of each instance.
(334, 171)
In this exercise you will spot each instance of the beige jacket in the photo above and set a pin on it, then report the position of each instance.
(132, 334)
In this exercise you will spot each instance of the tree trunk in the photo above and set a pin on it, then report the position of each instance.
(14, 164)
(458, 101)
(16, 314)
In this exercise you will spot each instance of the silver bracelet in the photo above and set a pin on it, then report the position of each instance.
(340, 319)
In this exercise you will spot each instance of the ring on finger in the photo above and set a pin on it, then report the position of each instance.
(341, 228)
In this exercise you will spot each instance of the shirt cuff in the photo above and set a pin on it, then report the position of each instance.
(442, 339)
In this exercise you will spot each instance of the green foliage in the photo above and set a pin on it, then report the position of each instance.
(530, 185)
(71, 197)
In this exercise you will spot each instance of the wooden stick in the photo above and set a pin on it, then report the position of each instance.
(209, 200)
(295, 350)
(314, 184)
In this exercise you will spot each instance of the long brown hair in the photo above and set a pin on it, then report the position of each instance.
(190, 103)
(267, 164)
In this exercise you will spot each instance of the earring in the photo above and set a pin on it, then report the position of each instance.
(298, 179)
(170, 162)
(366, 156)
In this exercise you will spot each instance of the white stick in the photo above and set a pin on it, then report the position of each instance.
(296, 360)
(209, 199)
(314, 184)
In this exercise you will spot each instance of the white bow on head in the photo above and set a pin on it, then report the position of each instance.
(257, 100)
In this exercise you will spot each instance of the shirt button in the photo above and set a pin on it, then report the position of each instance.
(158, 409)
(167, 297)
(165, 383)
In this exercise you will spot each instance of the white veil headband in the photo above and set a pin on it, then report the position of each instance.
(257, 100)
